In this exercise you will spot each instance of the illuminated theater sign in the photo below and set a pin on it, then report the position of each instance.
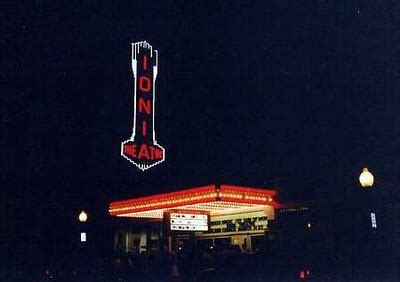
(188, 222)
(142, 148)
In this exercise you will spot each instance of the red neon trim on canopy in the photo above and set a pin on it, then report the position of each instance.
(161, 206)
(165, 195)
(248, 189)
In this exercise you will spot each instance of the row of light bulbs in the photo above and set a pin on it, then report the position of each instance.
(215, 208)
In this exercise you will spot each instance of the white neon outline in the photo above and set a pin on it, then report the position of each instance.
(135, 51)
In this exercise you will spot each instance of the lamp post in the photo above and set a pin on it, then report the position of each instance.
(367, 181)
(365, 215)
(374, 215)
(83, 217)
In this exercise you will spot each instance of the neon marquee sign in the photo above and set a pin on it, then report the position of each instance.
(142, 148)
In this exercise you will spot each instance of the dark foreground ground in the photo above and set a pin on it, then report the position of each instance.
(198, 266)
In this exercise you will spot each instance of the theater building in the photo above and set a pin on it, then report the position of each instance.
(212, 216)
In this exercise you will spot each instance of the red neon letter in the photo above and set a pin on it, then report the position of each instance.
(144, 152)
(145, 62)
(144, 128)
(159, 154)
(152, 149)
(144, 104)
(130, 149)
(144, 83)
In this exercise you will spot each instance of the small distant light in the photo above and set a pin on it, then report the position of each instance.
(83, 236)
(309, 225)
(270, 199)
(211, 247)
(308, 272)
(180, 248)
(302, 275)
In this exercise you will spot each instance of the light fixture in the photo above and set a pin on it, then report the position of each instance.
(83, 216)
(366, 178)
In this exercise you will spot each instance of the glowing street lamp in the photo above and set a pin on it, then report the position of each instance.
(83, 216)
(366, 178)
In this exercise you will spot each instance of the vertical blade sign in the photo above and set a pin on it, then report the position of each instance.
(142, 148)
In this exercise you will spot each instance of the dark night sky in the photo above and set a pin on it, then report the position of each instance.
(293, 95)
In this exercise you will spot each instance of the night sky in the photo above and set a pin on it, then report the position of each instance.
(292, 95)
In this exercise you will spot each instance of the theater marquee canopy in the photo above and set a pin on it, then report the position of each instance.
(212, 199)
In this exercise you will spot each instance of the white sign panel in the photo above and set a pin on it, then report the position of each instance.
(188, 222)
(373, 220)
